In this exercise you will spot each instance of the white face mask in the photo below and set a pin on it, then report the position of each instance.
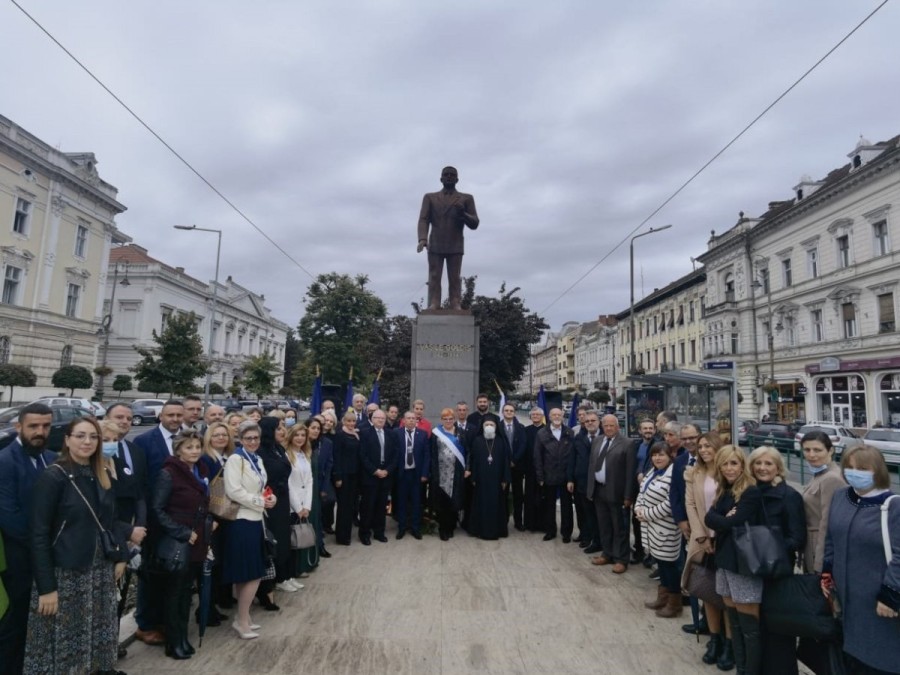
(490, 432)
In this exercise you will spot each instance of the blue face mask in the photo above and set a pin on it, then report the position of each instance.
(859, 479)
(110, 448)
(815, 470)
(289, 421)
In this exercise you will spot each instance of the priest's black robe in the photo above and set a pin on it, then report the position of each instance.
(489, 464)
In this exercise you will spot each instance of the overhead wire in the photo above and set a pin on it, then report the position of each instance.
(715, 156)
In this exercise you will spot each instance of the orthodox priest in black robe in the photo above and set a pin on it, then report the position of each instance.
(490, 474)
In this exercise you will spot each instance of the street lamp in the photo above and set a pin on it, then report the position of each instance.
(215, 297)
(107, 323)
(652, 230)
(765, 282)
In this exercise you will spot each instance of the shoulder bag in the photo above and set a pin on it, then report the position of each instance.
(303, 535)
(761, 551)
(220, 504)
(701, 582)
(112, 550)
(172, 555)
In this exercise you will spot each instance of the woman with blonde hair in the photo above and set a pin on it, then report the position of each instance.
(737, 502)
(218, 446)
(700, 485)
(346, 469)
(233, 420)
(302, 488)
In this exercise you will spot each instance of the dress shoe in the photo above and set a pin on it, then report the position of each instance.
(187, 647)
(267, 604)
(637, 557)
(381, 538)
(549, 537)
(328, 530)
(583, 543)
(323, 553)
(600, 560)
(520, 528)
(619, 568)
(365, 540)
(701, 628)
(149, 637)
(567, 540)
(593, 548)
(342, 542)
(445, 536)
(416, 534)
(647, 562)
(122, 653)
(401, 534)
(249, 635)
(176, 652)
(216, 613)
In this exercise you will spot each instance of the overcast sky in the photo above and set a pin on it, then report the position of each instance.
(569, 122)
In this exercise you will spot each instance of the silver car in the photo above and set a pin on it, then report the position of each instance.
(886, 440)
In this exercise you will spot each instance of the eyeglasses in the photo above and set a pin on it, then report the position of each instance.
(83, 437)
(689, 438)
(250, 439)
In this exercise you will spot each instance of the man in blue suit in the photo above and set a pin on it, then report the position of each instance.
(157, 447)
(412, 472)
(378, 455)
(513, 432)
(21, 462)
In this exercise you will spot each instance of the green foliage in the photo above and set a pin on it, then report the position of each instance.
(122, 383)
(175, 361)
(103, 371)
(286, 392)
(341, 329)
(13, 375)
(72, 378)
(292, 353)
(216, 389)
(396, 356)
(259, 374)
(235, 388)
(599, 397)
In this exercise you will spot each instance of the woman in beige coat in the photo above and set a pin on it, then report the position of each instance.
(826, 480)
(700, 482)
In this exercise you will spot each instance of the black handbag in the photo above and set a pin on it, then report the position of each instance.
(269, 544)
(701, 582)
(795, 606)
(761, 551)
(172, 555)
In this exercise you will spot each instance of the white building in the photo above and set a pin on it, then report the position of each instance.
(595, 355)
(57, 225)
(804, 298)
(243, 326)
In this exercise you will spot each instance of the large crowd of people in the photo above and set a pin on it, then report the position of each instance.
(238, 508)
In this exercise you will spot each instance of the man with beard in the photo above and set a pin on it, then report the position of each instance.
(20, 464)
(393, 418)
(641, 449)
(488, 462)
(531, 516)
(482, 412)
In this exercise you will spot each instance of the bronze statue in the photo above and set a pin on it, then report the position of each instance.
(447, 211)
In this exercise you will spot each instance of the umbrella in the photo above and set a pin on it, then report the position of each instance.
(204, 594)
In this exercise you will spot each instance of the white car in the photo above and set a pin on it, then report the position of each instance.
(886, 440)
(841, 437)
(96, 409)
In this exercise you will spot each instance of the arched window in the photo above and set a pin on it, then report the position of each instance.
(66, 358)
(4, 349)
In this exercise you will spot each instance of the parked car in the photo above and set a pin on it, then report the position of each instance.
(230, 404)
(744, 428)
(841, 437)
(62, 415)
(247, 403)
(886, 440)
(95, 408)
(777, 434)
(146, 411)
(301, 404)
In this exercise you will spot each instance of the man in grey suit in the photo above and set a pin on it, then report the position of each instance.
(611, 473)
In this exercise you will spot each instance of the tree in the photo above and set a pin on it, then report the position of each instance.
(122, 383)
(175, 361)
(341, 328)
(259, 374)
(599, 397)
(292, 353)
(286, 392)
(216, 389)
(72, 378)
(13, 375)
(396, 357)
(235, 388)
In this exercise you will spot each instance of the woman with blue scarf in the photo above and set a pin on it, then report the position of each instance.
(448, 464)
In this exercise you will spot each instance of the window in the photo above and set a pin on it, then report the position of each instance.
(164, 320)
(787, 278)
(818, 330)
(812, 262)
(81, 237)
(843, 250)
(4, 349)
(22, 219)
(729, 287)
(693, 351)
(886, 313)
(672, 355)
(65, 358)
(734, 343)
(681, 350)
(880, 237)
(764, 275)
(789, 332)
(72, 300)
(691, 314)
(12, 280)
(848, 315)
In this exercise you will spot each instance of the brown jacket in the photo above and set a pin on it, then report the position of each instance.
(817, 501)
(696, 506)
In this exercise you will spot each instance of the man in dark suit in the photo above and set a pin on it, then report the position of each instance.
(513, 432)
(21, 462)
(131, 475)
(378, 457)
(475, 421)
(611, 467)
(641, 449)
(462, 414)
(412, 471)
(552, 450)
(393, 418)
(531, 518)
(578, 480)
(359, 408)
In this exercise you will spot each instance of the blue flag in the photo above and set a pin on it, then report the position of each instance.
(315, 403)
(348, 397)
(375, 396)
(573, 415)
(542, 402)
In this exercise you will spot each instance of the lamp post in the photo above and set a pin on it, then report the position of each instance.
(215, 297)
(765, 282)
(652, 230)
(107, 324)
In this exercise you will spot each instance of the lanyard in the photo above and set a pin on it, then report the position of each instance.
(245, 455)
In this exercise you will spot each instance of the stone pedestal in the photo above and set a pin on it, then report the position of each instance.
(444, 360)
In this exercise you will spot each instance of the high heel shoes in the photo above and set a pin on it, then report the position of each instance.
(249, 635)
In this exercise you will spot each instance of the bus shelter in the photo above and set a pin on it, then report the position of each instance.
(705, 399)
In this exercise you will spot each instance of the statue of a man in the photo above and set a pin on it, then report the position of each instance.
(448, 212)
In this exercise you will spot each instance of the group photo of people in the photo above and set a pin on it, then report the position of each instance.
(209, 518)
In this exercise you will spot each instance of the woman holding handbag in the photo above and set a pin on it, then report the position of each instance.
(78, 552)
(179, 504)
(861, 566)
(301, 486)
(700, 484)
(782, 510)
(737, 502)
(218, 444)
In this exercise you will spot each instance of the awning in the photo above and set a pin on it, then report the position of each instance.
(682, 378)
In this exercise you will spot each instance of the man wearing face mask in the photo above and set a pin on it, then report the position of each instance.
(20, 464)
(475, 421)
(488, 467)
(130, 485)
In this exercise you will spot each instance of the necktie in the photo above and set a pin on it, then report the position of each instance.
(509, 432)
(381, 443)
(591, 437)
(603, 452)
(125, 455)
(691, 461)
(409, 450)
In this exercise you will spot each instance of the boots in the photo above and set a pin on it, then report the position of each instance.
(661, 595)
(752, 643)
(672, 608)
(726, 658)
(737, 640)
(713, 649)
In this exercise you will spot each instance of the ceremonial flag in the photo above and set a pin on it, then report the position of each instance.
(542, 402)
(573, 415)
(348, 397)
(502, 398)
(315, 403)
(375, 396)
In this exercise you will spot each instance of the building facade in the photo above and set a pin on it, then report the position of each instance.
(804, 298)
(154, 291)
(595, 355)
(57, 226)
(565, 355)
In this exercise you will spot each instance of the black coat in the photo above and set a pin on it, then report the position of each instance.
(370, 455)
(131, 484)
(64, 534)
(551, 456)
(749, 511)
(517, 449)
(578, 461)
(782, 507)
(346, 455)
(180, 505)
